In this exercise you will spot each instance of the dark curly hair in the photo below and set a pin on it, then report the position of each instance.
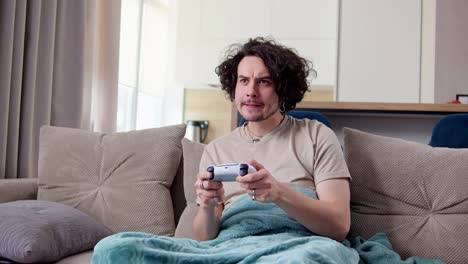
(287, 69)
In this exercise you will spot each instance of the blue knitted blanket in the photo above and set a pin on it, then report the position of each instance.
(251, 232)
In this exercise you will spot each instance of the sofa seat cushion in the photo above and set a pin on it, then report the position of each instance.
(123, 180)
(414, 193)
(42, 231)
(80, 258)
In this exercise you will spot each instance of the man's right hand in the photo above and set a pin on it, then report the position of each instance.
(211, 193)
(207, 221)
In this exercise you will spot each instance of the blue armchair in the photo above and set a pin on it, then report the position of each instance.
(451, 132)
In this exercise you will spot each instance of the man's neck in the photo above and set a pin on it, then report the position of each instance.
(264, 127)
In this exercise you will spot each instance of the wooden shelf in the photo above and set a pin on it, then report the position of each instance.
(385, 107)
(378, 108)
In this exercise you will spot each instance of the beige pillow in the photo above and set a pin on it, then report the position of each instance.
(193, 152)
(122, 180)
(414, 193)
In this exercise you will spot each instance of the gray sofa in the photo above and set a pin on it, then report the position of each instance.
(414, 193)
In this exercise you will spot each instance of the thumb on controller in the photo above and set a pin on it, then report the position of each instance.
(255, 164)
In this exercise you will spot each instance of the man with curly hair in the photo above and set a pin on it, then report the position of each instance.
(265, 80)
(293, 209)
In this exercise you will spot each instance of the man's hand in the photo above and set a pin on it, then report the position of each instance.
(211, 193)
(260, 185)
(207, 221)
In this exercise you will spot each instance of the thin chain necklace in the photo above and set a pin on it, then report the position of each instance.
(254, 138)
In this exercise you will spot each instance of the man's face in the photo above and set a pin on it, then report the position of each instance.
(256, 98)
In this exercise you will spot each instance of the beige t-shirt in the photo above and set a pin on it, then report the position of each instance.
(298, 151)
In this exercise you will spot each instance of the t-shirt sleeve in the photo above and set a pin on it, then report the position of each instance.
(329, 160)
(206, 159)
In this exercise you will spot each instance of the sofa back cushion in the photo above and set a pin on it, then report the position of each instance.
(177, 193)
(122, 180)
(193, 152)
(414, 193)
(192, 156)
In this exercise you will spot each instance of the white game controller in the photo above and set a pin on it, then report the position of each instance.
(229, 172)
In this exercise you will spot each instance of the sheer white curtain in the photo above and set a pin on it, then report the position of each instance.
(147, 55)
(58, 66)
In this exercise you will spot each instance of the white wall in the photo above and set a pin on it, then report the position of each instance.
(451, 56)
(428, 38)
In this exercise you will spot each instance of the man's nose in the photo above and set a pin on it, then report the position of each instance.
(252, 90)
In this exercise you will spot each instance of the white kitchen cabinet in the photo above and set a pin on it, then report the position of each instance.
(206, 28)
(305, 19)
(238, 19)
(380, 51)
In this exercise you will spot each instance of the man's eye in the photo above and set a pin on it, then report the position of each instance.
(264, 82)
(243, 80)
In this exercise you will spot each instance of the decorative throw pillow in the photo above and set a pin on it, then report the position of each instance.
(192, 155)
(120, 179)
(43, 231)
(414, 193)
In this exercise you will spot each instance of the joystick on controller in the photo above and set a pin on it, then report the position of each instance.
(229, 172)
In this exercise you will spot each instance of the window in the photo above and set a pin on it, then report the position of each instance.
(143, 62)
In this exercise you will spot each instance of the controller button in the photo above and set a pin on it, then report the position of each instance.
(244, 166)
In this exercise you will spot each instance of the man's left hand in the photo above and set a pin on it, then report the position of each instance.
(261, 185)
